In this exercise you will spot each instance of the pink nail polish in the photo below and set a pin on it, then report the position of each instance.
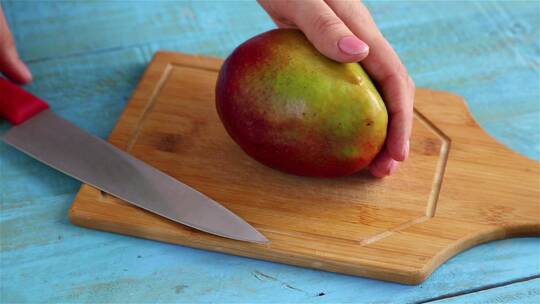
(352, 46)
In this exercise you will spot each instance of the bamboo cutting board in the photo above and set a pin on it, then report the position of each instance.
(459, 187)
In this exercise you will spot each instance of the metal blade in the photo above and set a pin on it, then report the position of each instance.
(67, 148)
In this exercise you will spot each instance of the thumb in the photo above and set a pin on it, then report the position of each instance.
(328, 33)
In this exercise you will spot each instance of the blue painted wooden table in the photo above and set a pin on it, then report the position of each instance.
(87, 58)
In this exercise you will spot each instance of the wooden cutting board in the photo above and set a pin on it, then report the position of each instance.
(459, 187)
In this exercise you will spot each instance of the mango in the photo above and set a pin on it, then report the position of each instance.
(291, 108)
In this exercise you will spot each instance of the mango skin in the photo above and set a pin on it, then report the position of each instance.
(292, 109)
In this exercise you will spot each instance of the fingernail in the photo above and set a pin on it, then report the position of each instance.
(406, 149)
(393, 167)
(352, 46)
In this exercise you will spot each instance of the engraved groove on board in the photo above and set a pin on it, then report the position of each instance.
(441, 163)
(435, 190)
(148, 107)
(155, 93)
(389, 232)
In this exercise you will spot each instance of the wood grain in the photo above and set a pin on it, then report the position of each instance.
(454, 192)
(526, 292)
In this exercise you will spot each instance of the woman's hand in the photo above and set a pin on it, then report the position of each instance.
(344, 31)
(10, 63)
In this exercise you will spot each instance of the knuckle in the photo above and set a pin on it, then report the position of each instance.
(284, 6)
(282, 10)
(326, 23)
(352, 13)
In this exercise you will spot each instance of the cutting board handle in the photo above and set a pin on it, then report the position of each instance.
(18, 105)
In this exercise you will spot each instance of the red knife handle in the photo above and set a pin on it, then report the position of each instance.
(18, 105)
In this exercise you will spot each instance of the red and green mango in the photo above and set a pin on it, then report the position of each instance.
(291, 108)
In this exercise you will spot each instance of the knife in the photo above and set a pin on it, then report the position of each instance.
(60, 144)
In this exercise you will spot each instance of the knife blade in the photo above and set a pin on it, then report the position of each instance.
(45, 136)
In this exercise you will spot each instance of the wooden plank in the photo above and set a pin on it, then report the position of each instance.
(206, 27)
(527, 292)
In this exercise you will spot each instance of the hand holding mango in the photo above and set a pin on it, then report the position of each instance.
(296, 110)
(293, 109)
(341, 30)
